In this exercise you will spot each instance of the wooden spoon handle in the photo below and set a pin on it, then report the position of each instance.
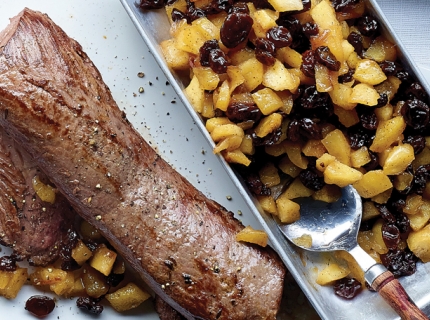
(393, 293)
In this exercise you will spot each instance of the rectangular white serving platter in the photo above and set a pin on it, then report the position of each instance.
(154, 28)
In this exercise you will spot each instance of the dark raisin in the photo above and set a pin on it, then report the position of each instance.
(373, 163)
(310, 29)
(416, 114)
(367, 116)
(239, 112)
(360, 137)
(308, 63)
(151, 4)
(390, 235)
(400, 262)
(217, 6)
(416, 91)
(265, 51)
(40, 306)
(344, 5)
(347, 288)
(356, 40)
(262, 4)
(324, 56)
(390, 68)
(347, 77)
(235, 29)
(178, 15)
(367, 26)
(300, 41)
(421, 175)
(311, 98)
(8, 263)
(239, 7)
(205, 50)
(386, 214)
(279, 36)
(310, 129)
(256, 186)
(404, 225)
(194, 13)
(418, 142)
(311, 179)
(89, 304)
(114, 279)
(269, 140)
(218, 61)
(293, 131)
(382, 100)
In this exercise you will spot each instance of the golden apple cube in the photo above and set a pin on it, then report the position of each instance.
(331, 273)
(289, 56)
(381, 49)
(286, 5)
(323, 161)
(369, 72)
(221, 96)
(236, 156)
(288, 210)
(340, 96)
(369, 211)
(323, 78)
(264, 19)
(239, 56)
(294, 152)
(387, 133)
(190, 39)
(338, 146)
(127, 298)
(103, 260)
(268, 124)
(267, 101)
(364, 94)
(212, 123)
(195, 94)
(278, 78)
(268, 204)
(66, 286)
(373, 183)
(176, 59)
(81, 253)
(314, 148)
(235, 77)
(250, 235)
(398, 159)
(207, 28)
(419, 243)
(252, 70)
(360, 157)
(288, 167)
(17, 279)
(340, 174)
(297, 190)
(329, 193)
(269, 175)
(208, 79)
(420, 220)
(347, 117)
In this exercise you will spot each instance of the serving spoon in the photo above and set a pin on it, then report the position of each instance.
(334, 226)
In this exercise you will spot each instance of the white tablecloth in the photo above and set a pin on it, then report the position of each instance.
(410, 19)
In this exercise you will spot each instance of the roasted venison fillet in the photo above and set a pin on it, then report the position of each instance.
(54, 102)
(36, 230)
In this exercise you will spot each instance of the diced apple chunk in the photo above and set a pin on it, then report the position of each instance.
(340, 174)
(373, 183)
(250, 235)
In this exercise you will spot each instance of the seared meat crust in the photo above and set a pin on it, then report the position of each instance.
(54, 102)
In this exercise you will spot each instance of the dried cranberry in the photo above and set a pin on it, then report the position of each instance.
(368, 26)
(356, 40)
(308, 63)
(265, 51)
(310, 29)
(279, 36)
(89, 304)
(235, 29)
(311, 179)
(239, 112)
(400, 262)
(324, 56)
(418, 142)
(390, 235)
(40, 306)
(347, 288)
(416, 113)
(151, 4)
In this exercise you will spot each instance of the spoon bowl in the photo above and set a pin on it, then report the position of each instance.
(326, 227)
